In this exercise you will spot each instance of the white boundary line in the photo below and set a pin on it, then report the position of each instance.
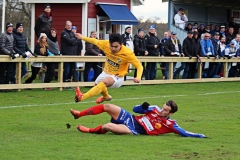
(123, 99)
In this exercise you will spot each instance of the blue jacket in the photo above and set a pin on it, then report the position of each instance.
(204, 47)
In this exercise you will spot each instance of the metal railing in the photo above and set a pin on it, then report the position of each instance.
(62, 59)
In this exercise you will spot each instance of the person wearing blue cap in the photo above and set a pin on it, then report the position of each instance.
(213, 69)
(180, 18)
(231, 52)
(172, 48)
(152, 44)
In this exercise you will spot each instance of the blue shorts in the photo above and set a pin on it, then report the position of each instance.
(127, 119)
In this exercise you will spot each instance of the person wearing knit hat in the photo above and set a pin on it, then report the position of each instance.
(47, 6)
(6, 48)
(9, 25)
(44, 22)
(21, 47)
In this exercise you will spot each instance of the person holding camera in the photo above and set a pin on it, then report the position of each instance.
(6, 48)
(180, 19)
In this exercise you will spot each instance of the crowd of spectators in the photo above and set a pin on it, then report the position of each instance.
(203, 40)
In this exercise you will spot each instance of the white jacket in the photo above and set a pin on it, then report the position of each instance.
(179, 20)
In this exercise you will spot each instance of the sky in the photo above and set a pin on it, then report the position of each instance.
(152, 8)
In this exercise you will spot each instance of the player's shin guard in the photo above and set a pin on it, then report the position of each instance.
(93, 110)
(97, 130)
(105, 92)
(94, 91)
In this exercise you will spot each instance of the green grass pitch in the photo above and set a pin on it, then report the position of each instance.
(33, 124)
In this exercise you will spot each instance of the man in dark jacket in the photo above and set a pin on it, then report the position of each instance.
(172, 48)
(140, 48)
(193, 67)
(152, 45)
(214, 67)
(162, 52)
(44, 22)
(68, 48)
(189, 51)
(230, 36)
(92, 50)
(20, 46)
(6, 48)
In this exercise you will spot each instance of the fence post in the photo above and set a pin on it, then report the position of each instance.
(225, 69)
(170, 70)
(18, 73)
(200, 70)
(60, 74)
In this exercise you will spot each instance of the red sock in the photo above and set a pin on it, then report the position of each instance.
(97, 130)
(93, 110)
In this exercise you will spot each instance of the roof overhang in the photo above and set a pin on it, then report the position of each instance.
(55, 1)
(212, 3)
(137, 2)
(118, 14)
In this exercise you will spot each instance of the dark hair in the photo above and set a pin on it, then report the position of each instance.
(115, 37)
(173, 105)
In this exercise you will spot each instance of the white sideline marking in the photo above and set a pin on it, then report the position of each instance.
(123, 99)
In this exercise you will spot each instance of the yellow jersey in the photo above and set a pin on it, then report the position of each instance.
(117, 64)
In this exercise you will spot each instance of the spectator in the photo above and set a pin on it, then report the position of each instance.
(222, 47)
(52, 50)
(208, 29)
(193, 67)
(216, 29)
(214, 67)
(194, 29)
(163, 41)
(140, 48)
(230, 36)
(180, 18)
(237, 41)
(78, 48)
(195, 24)
(68, 48)
(127, 40)
(152, 45)
(40, 49)
(212, 29)
(6, 48)
(189, 27)
(222, 32)
(231, 52)
(44, 22)
(92, 50)
(189, 51)
(172, 48)
(201, 30)
(232, 24)
(20, 46)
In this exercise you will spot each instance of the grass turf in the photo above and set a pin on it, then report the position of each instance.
(33, 124)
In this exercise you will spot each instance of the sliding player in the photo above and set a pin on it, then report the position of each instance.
(153, 121)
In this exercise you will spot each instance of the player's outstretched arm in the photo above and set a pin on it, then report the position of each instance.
(143, 108)
(184, 133)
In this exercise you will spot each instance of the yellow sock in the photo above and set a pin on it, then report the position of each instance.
(95, 90)
(105, 92)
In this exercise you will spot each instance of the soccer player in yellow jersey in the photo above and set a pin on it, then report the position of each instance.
(118, 58)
